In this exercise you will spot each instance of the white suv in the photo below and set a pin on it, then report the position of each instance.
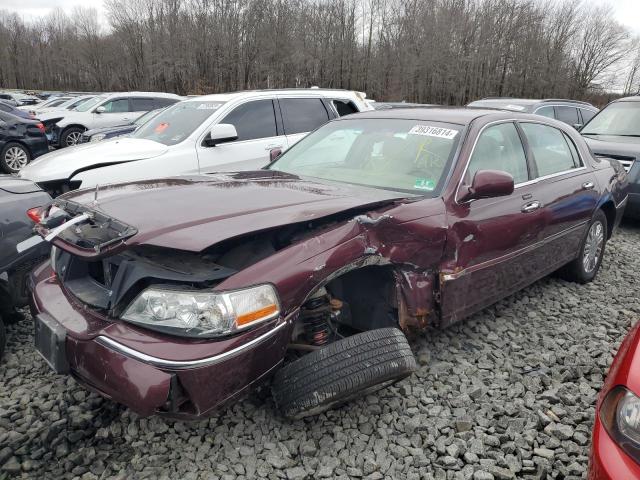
(225, 132)
(64, 128)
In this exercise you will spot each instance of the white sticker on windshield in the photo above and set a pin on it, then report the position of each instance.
(431, 131)
(209, 106)
(517, 108)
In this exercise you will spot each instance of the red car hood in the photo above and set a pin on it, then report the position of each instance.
(193, 213)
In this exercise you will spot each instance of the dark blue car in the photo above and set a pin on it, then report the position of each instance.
(98, 134)
(8, 108)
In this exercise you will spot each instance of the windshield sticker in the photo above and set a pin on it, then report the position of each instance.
(161, 127)
(424, 184)
(209, 106)
(429, 131)
(517, 108)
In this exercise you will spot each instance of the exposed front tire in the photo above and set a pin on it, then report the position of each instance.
(341, 371)
(14, 157)
(585, 268)
(71, 136)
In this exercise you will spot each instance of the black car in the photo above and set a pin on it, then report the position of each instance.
(18, 200)
(571, 112)
(615, 134)
(105, 133)
(21, 140)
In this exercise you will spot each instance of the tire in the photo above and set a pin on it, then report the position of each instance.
(18, 281)
(579, 270)
(14, 157)
(70, 137)
(3, 338)
(342, 371)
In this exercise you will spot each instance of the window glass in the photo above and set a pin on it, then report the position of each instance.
(5, 108)
(574, 151)
(499, 148)
(344, 107)
(253, 120)
(549, 147)
(567, 115)
(546, 112)
(302, 114)
(617, 119)
(83, 107)
(116, 106)
(164, 102)
(177, 122)
(393, 154)
(587, 115)
(142, 104)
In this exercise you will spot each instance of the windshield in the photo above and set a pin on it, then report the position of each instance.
(78, 103)
(145, 117)
(83, 107)
(620, 118)
(177, 122)
(394, 154)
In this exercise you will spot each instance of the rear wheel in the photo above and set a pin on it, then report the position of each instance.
(71, 136)
(14, 157)
(585, 268)
(343, 370)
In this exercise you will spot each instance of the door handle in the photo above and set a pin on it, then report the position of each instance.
(587, 185)
(531, 207)
(272, 147)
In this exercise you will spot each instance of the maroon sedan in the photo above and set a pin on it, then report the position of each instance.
(175, 296)
(615, 448)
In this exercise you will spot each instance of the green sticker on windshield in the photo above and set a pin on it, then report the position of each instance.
(424, 184)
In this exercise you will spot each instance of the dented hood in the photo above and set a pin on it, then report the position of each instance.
(193, 213)
(62, 164)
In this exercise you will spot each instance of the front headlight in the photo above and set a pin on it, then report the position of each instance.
(98, 137)
(203, 314)
(620, 415)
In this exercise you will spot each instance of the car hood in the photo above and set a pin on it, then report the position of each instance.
(614, 145)
(193, 213)
(64, 163)
(106, 130)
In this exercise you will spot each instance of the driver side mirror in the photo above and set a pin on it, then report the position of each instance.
(221, 133)
(101, 109)
(578, 126)
(488, 184)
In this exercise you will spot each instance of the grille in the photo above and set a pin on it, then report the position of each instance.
(626, 162)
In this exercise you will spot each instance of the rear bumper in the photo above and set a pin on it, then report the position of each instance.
(123, 363)
(607, 461)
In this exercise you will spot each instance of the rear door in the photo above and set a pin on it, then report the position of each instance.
(565, 187)
(301, 116)
(258, 134)
(495, 240)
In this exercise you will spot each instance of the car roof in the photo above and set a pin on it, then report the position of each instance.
(227, 97)
(456, 115)
(141, 94)
(635, 98)
(530, 101)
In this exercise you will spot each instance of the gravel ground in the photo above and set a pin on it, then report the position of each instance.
(509, 393)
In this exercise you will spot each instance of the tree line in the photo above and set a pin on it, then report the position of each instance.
(428, 51)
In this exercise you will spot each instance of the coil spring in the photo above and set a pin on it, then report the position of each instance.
(315, 315)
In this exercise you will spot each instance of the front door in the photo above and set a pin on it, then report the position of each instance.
(255, 122)
(116, 112)
(492, 243)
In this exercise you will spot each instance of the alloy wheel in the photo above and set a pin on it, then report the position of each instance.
(593, 247)
(73, 138)
(15, 158)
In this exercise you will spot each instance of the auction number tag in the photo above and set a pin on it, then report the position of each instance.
(431, 131)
